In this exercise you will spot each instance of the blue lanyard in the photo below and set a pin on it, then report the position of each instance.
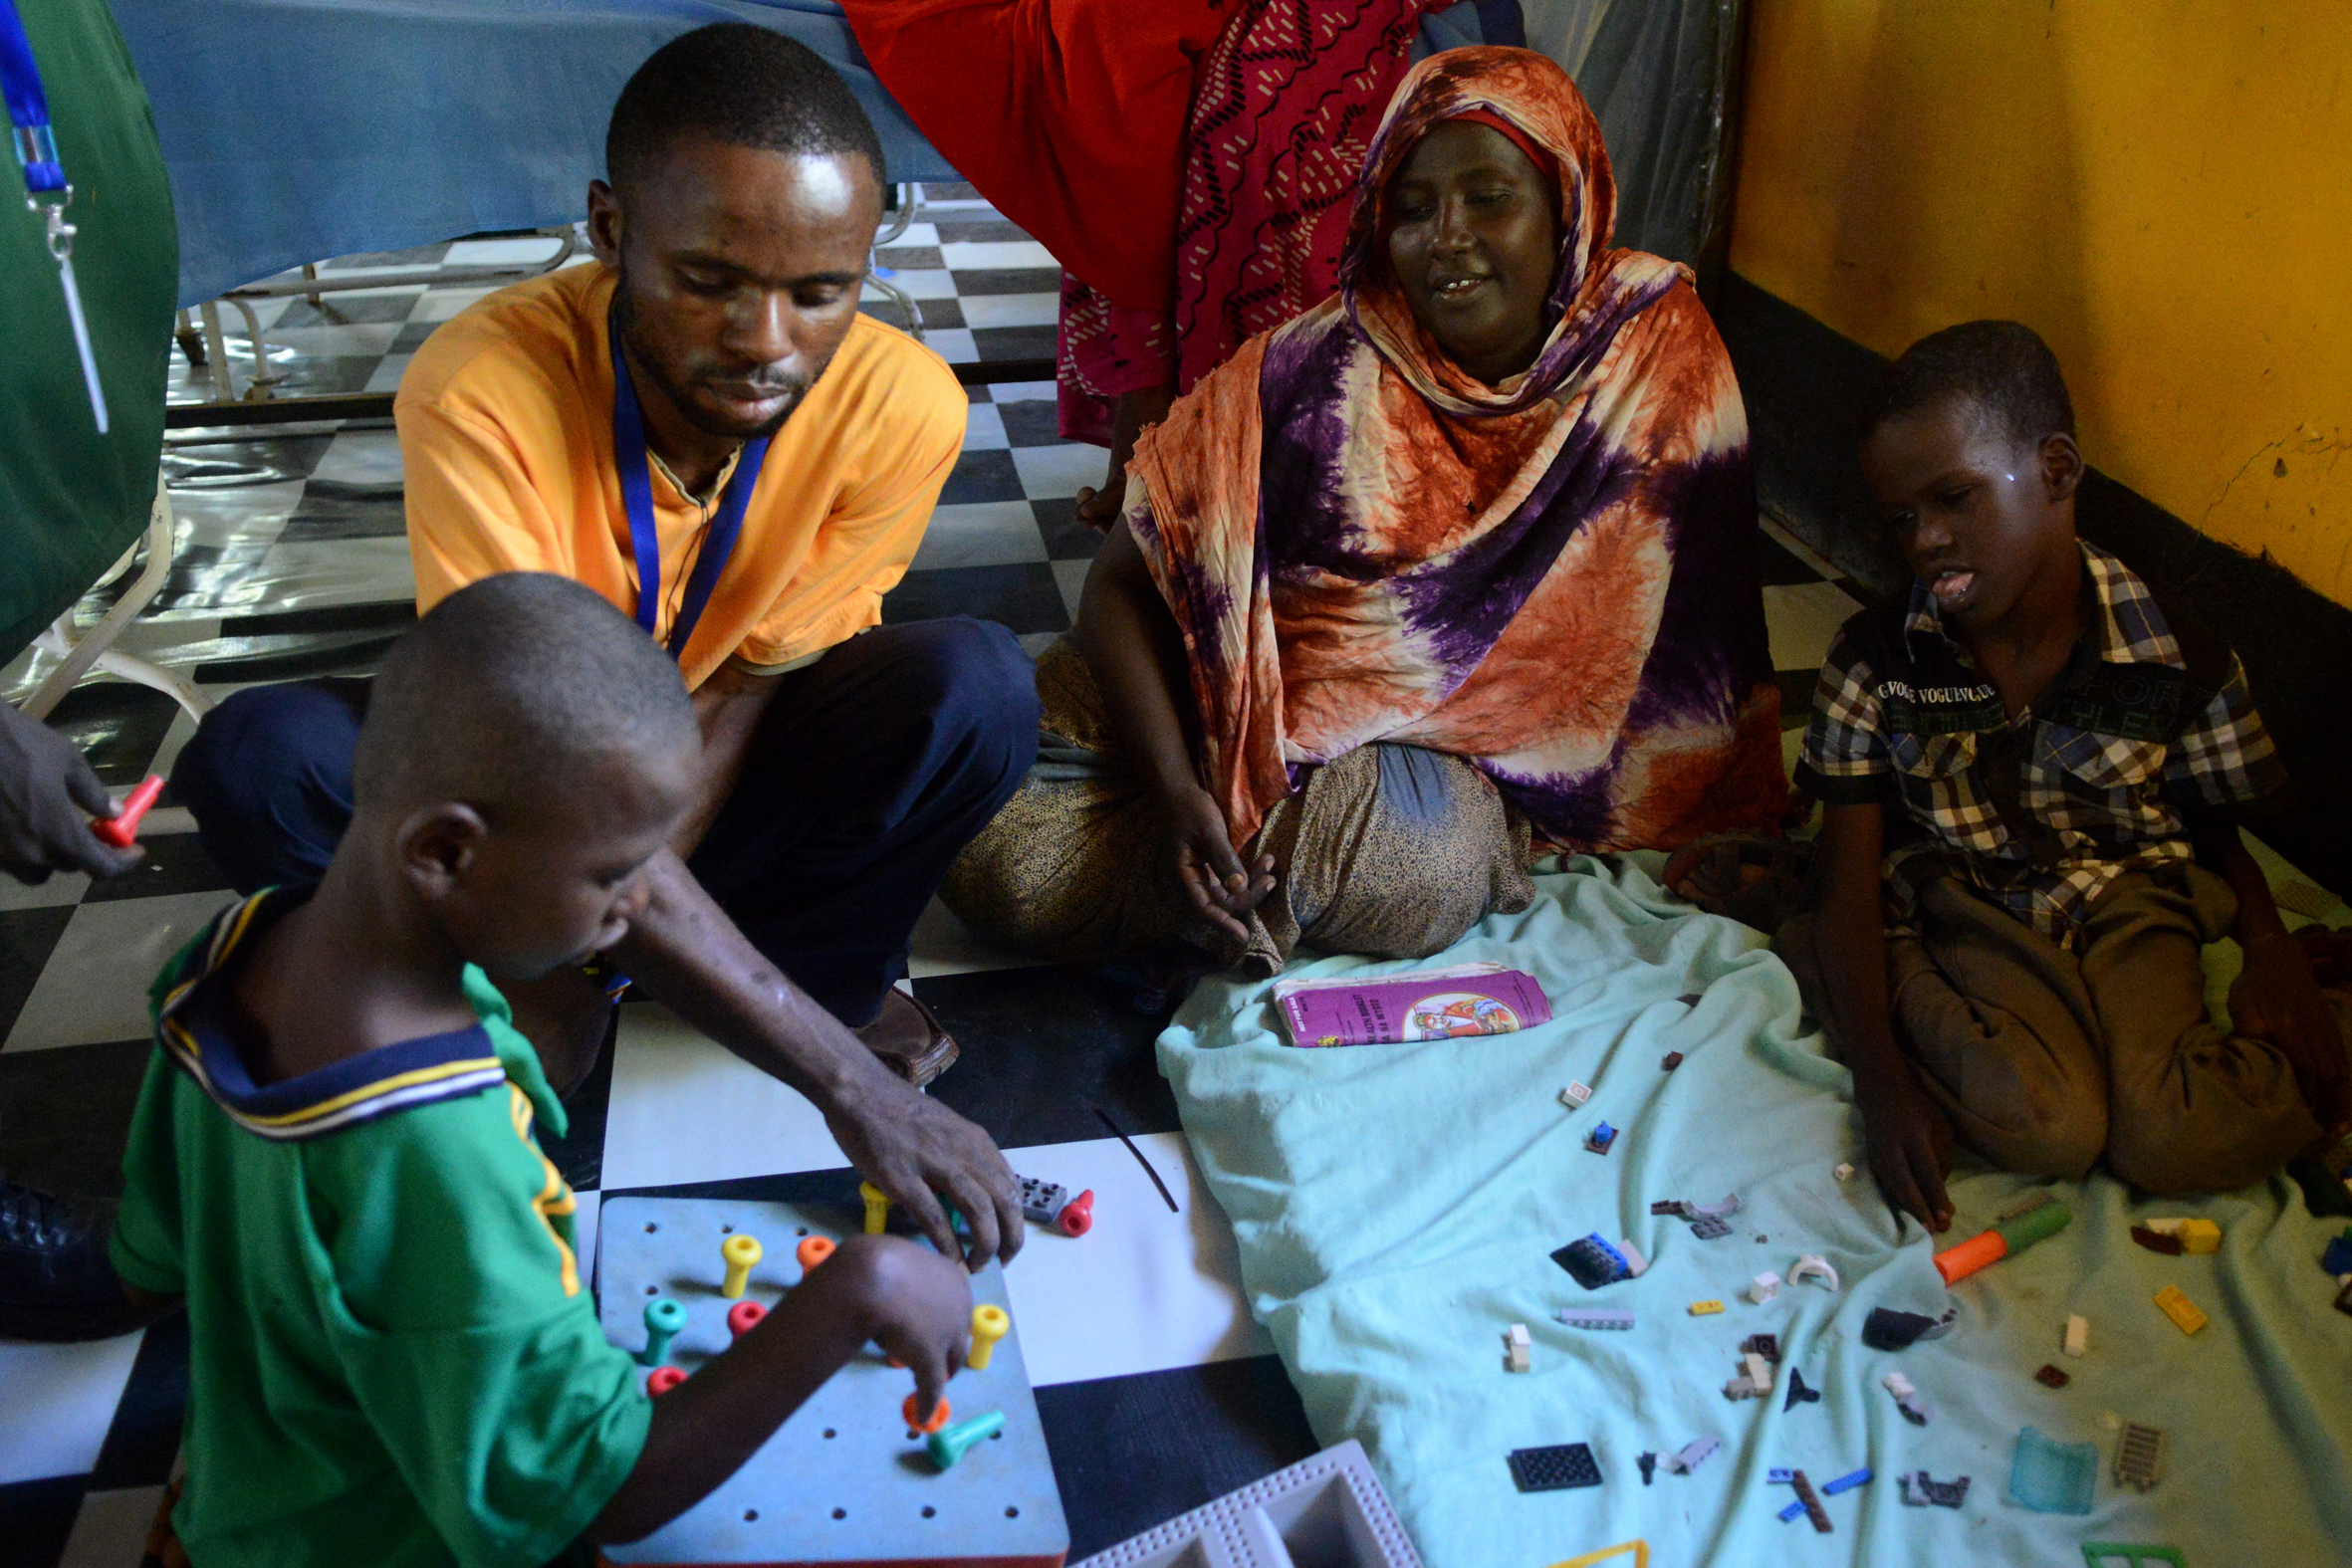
(637, 494)
(46, 190)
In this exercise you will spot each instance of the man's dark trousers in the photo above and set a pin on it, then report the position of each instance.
(870, 771)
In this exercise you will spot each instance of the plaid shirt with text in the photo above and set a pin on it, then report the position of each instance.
(2042, 814)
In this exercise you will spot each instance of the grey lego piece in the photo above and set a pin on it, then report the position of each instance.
(1042, 1201)
(1596, 1318)
(2139, 1456)
(1692, 1455)
(1707, 1228)
(1326, 1509)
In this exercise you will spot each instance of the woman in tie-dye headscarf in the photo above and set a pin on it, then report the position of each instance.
(1463, 555)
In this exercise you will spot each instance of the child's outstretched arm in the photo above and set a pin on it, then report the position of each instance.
(1908, 1141)
(2275, 997)
(915, 1302)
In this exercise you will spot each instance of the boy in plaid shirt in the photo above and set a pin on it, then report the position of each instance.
(2027, 773)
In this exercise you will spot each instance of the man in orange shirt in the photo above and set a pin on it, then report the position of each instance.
(705, 430)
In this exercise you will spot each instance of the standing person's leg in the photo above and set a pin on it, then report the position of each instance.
(268, 778)
(2193, 1109)
(1996, 1018)
(871, 770)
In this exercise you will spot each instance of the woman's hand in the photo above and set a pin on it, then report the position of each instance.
(1212, 877)
(2275, 999)
(1908, 1139)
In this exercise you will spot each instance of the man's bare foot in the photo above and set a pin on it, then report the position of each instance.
(1135, 413)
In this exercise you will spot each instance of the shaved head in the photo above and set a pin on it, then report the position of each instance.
(514, 689)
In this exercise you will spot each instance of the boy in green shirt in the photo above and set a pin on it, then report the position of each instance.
(394, 1354)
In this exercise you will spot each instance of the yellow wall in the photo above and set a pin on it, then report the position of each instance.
(2163, 189)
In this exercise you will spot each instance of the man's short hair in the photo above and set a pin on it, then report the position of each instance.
(2002, 367)
(740, 85)
(507, 689)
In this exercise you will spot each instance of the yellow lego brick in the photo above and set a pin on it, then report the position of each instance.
(2200, 1235)
(2180, 1310)
(1705, 1308)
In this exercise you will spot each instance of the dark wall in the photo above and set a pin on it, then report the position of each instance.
(1804, 383)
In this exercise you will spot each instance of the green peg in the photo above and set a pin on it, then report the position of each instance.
(663, 1320)
(948, 1444)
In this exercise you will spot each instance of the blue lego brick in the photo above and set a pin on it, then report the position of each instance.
(1594, 1261)
(1847, 1482)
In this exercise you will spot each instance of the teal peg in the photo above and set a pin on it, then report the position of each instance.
(663, 1320)
(949, 1444)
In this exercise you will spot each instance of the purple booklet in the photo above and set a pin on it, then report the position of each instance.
(1425, 1005)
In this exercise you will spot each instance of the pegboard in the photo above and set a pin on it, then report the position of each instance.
(842, 1481)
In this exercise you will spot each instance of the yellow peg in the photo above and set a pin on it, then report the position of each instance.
(877, 1207)
(741, 1253)
(989, 1324)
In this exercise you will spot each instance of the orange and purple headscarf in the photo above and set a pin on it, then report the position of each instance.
(1554, 577)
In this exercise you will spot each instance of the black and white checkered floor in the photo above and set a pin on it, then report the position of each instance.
(1158, 1391)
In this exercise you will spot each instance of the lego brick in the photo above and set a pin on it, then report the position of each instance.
(1707, 1227)
(1721, 1208)
(2157, 1240)
(2051, 1377)
(1705, 1308)
(847, 1447)
(1594, 1262)
(2052, 1477)
(1553, 1469)
(1764, 1345)
(2078, 1335)
(2139, 1456)
(1814, 1266)
(1849, 1481)
(1671, 1206)
(1764, 1287)
(1575, 1094)
(1809, 1502)
(1325, 1509)
(1649, 1466)
(2201, 1236)
(1601, 1138)
(1760, 1372)
(1596, 1318)
(2180, 1310)
(1907, 1399)
(1042, 1201)
(1691, 1456)
(1516, 1348)
(1921, 1490)
(1673, 1059)
(2338, 1259)
(1844, 1170)
(1798, 1394)
(1779, 1475)
(1886, 1328)
(1635, 1263)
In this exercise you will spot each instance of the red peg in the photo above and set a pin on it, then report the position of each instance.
(937, 1421)
(120, 828)
(662, 1379)
(743, 1317)
(1078, 1216)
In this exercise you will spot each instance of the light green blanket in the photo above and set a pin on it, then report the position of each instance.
(1396, 1205)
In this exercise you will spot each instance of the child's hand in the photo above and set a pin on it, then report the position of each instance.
(916, 1304)
(2275, 999)
(1910, 1142)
